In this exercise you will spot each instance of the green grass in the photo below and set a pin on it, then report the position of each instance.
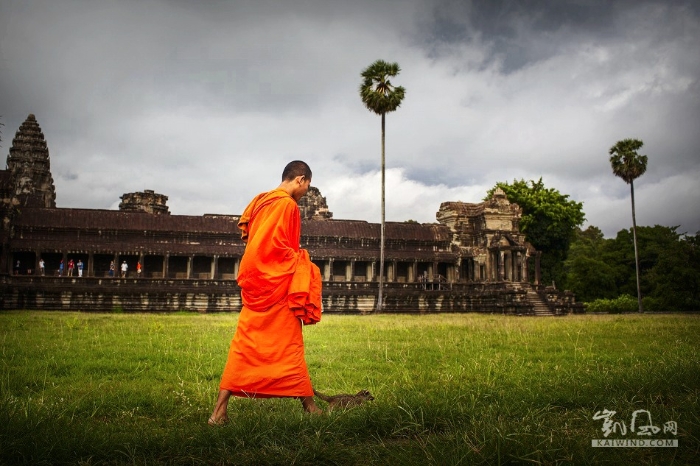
(79, 388)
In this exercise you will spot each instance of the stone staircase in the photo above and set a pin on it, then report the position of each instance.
(539, 306)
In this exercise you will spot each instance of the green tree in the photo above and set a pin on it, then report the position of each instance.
(381, 97)
(629, 165)
(549, 222)
(669, 268)
(600, 269)
(588, 274)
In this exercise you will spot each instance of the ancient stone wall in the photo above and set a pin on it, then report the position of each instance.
(138, 295)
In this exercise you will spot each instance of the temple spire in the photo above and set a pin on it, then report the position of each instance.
(30, 168)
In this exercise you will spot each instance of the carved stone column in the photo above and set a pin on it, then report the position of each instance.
(90, 272)
(166, 265)
(501, 266)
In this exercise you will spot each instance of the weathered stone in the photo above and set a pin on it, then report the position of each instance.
(30, 169)
(312, 206)
(146, 201)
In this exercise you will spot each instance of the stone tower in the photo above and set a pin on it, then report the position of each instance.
(31, 183)
(312, 206)
(147, 201)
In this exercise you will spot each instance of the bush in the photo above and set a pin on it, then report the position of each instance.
(652, 304)
(621, 304)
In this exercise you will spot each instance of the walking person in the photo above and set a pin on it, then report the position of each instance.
(281, 291)
(80, 268)
(42, 267)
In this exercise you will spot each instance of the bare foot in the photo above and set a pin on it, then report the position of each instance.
(314, 410)
(218, 422)
(220, 417)
(310, 405)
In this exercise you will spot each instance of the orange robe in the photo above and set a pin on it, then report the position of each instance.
(280, 289)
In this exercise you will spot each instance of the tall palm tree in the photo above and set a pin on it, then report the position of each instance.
(629, 165)
(381, 97)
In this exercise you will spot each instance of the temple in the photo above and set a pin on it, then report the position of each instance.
(474, 259)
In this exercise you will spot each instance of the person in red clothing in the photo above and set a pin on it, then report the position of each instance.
(280, 291)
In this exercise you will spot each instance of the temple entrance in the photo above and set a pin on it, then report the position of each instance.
(201, 267)
(177, 267)
(338, 274)
(227, 268)
(51, 262)
(100, 266)
(131, 260)
(402, 272)
(23, 263)
(363, 271)
(442, 272)
(152, 266)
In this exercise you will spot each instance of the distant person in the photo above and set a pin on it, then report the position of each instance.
(280, 290)
(138, 269)
(125, 267)
(42, 267)
(60, 269)
(71, 266)
(17, 268)
(80, 267)
(112, 269)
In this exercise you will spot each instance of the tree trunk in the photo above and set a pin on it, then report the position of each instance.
(380, 298)
(636, 253)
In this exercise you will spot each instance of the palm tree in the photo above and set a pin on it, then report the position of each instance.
(629, 165)
(381, 97)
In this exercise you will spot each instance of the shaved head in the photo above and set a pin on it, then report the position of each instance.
(294, 169)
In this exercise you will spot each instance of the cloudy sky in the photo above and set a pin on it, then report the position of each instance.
(206, 101)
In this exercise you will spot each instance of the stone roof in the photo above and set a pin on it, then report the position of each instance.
(361, 229)
(83, 219)
(217, 234)
(463, 208)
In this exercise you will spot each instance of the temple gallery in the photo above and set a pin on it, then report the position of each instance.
(472, 259)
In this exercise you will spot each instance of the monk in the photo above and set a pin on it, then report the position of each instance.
(280, 291)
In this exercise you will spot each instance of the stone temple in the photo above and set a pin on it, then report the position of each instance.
(474, 259)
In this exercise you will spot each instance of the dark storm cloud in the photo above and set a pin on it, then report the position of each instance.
(520, 32)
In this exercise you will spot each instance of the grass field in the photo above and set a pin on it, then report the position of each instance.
(80, 388)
